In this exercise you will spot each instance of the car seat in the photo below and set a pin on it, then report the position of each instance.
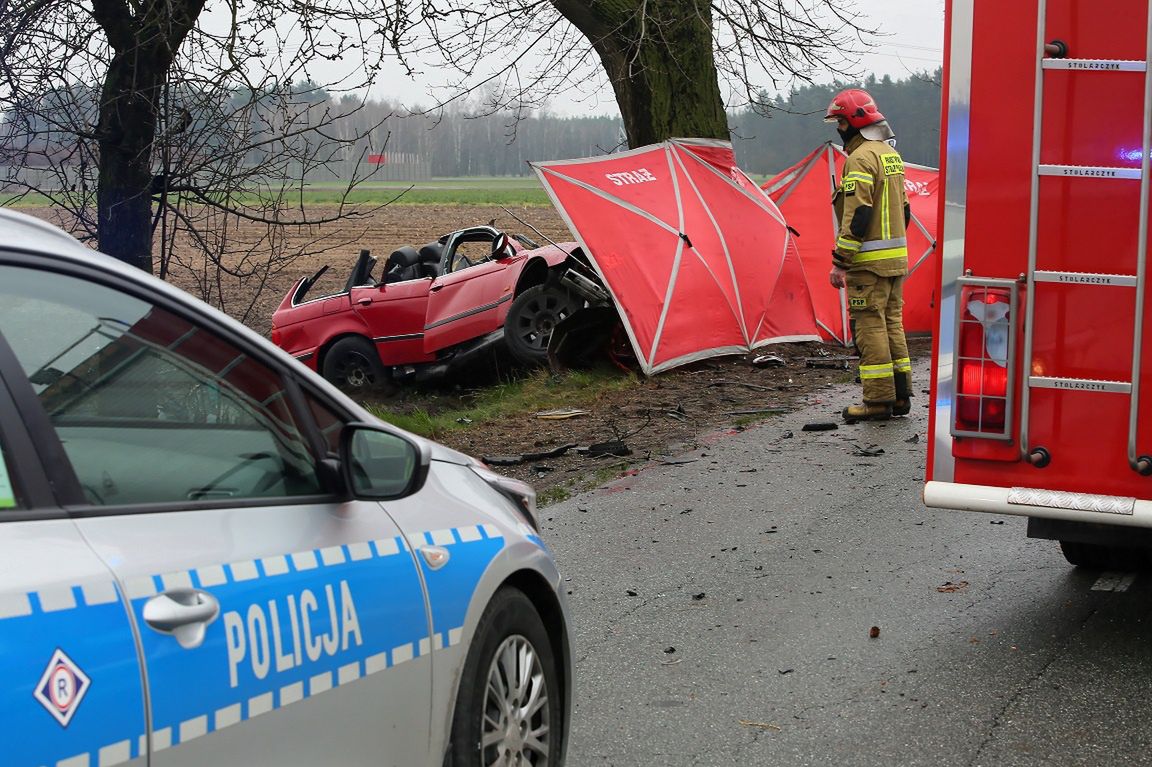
(402, 265)
(430, 256)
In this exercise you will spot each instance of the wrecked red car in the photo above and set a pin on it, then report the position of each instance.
(429, 309)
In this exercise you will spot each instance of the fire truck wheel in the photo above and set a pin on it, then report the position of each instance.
(1096, 556)
(530, 320)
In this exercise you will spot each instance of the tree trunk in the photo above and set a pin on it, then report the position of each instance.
(659, 57)
(144, 39)
(128, 115)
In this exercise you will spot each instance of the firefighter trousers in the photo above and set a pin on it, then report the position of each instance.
(877, 307)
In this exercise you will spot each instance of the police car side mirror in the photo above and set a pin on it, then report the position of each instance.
(378, 464)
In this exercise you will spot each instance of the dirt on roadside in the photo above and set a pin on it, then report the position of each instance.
(655, 419)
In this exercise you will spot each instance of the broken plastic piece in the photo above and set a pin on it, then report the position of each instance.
(513, 460)
(560, 414)
(615, 448)
(840, 363)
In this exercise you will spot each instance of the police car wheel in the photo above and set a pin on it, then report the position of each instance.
(508, 708)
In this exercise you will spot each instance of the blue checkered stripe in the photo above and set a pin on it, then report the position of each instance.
(365, 614)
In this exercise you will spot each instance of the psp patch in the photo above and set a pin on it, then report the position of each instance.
(62, 687)
(858, 303)
(850, 186)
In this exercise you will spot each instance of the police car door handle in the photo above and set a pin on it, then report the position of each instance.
(183, 613)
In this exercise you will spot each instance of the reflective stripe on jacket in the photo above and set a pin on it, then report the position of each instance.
(870, 208)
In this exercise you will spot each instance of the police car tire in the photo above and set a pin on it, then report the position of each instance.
(509, 614)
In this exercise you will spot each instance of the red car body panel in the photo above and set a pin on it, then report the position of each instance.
(414, 321)
(467, 304)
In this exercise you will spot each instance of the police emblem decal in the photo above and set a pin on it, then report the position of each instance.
(62, 687)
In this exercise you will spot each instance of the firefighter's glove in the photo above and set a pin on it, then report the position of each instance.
(838, 277)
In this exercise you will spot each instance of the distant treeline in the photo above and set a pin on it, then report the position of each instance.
(460, 141)
(466, 144)
(766, 143)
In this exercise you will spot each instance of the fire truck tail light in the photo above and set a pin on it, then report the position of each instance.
(984, 360)
(982, 396)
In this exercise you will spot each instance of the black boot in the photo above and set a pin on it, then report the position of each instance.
(903, 404)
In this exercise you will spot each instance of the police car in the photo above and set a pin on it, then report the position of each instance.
(209, 556)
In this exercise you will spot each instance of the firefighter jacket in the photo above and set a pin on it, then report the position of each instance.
(872, 210)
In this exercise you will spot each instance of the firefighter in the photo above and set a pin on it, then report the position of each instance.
(871, 255)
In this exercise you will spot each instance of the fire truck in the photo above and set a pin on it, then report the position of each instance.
(1042, 355)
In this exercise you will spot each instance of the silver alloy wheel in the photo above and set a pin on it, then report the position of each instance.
(516, 724)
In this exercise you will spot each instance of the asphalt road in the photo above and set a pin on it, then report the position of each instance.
(724, 608)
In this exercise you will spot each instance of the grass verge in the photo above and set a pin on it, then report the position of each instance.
(536, 391)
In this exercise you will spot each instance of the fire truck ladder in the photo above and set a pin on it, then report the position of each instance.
(1052, 56)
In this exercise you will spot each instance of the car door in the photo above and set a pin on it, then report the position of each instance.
(393, 317)
(463, 302)
(71, 690)
(278, 624)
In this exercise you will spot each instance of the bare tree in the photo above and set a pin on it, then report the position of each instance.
(172, 121)
(672, 64)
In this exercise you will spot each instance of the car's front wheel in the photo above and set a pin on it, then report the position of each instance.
(508, 708)
(353, 364)
(531, 319)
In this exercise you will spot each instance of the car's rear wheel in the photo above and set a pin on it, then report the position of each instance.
(353, 365)
(531, 318)
(508, 708)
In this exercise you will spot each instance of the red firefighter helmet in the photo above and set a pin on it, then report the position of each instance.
(854, 105)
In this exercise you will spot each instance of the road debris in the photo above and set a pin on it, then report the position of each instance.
(614, 448)
(820, 426)
(872, 451)
(952, 588)
(678, 461)
(840, 363)
(768, 361)
(755, 387)
(874, 632)
(561, 414)
(759, 725)
(514, 460)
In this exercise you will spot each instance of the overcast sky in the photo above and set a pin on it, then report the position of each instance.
(916, 41)
(912, 41)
